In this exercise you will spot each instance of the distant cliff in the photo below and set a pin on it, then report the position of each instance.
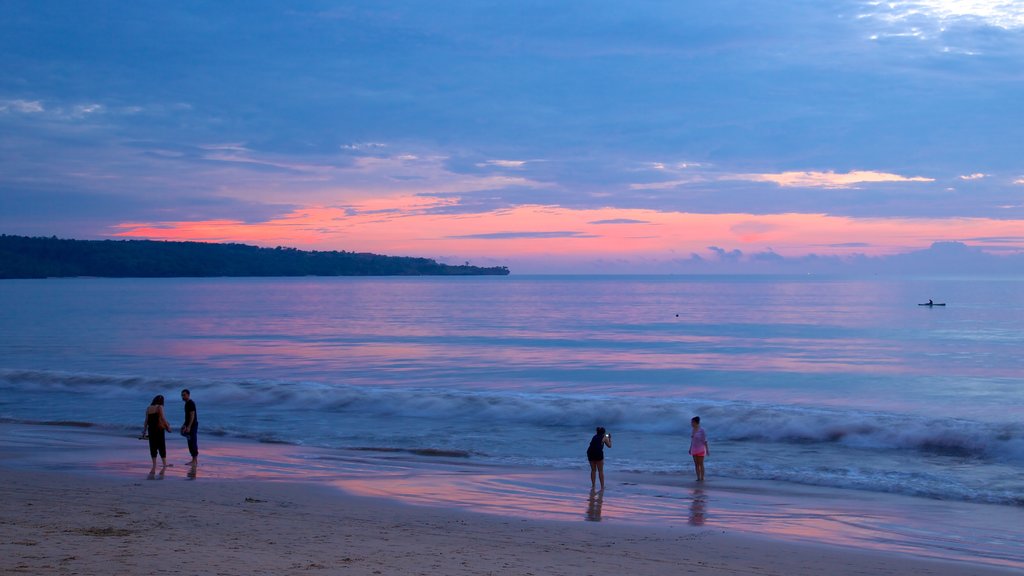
(24, 257)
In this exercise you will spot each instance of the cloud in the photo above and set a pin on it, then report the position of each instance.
(726, 255)
(231, 146)
(938, 258)
(620, 221)
(504, 163)
(88, 214)
(665, 185)
(397, 128)
(239, 154)
(976, 176)
(518, 235)
(82, 110)
(684, 173)
(363, 146)
(1008, 15)
(753, 230)
(67, 112)
(21, 106)
(410, 226)
(1017, 240)
(828, 179)
(952, 29)
(670, 166)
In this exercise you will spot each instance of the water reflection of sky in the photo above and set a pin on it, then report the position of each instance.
(737, 338)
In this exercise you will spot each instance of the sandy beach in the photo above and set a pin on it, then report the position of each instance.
(85, 507)
(77, 524)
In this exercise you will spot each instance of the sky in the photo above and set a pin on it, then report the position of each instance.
(551, 137)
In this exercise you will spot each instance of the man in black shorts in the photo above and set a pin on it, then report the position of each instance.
(190, 428)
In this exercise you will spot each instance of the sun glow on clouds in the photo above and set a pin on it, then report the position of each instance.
(827, 179)
(408, 226)
(793, 179)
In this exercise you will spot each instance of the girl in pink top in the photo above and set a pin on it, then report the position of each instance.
(698, 447)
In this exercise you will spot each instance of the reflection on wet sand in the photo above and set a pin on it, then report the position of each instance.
(154, 475)
(594, 504)
(698, 507)
(959, 531)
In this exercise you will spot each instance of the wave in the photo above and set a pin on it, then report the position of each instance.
(53, 381)
(66, 423)
(868, 430)
(863, 478)
(740, 422)
(435, 452)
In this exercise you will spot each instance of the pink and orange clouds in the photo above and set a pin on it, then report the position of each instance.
(411, 226)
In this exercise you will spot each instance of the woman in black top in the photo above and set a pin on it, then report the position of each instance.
(595, 454)
(154, 428)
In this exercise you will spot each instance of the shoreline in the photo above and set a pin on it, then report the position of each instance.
(105, 525)
(479, 518)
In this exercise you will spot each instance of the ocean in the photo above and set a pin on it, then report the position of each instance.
(802, 381)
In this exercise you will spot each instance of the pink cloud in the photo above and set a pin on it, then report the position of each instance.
(409, 226)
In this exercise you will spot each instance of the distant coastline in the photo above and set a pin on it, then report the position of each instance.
(37, 257)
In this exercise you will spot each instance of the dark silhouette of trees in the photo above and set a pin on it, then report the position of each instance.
(25, 257)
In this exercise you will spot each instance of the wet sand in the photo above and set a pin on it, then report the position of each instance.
(74, 501)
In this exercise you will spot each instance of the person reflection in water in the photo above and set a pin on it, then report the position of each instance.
(595, 454)
(594, 505)
(698, 507)
(698, 447)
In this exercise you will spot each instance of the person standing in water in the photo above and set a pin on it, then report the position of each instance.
(698, 447)
(153, 428)
(595, 454)
(190, 428)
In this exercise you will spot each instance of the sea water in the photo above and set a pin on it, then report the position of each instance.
(835, 382)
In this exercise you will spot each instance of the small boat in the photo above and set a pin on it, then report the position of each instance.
(933, 304)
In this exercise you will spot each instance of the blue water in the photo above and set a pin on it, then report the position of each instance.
(805, 380)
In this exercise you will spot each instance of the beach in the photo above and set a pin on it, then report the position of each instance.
(76, 502)
(74, 524)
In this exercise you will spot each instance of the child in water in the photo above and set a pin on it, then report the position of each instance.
(698, 447)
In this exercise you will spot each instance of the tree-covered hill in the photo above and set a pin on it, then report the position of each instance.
(25, 257)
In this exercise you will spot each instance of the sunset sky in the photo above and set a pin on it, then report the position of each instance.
(667, 136)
